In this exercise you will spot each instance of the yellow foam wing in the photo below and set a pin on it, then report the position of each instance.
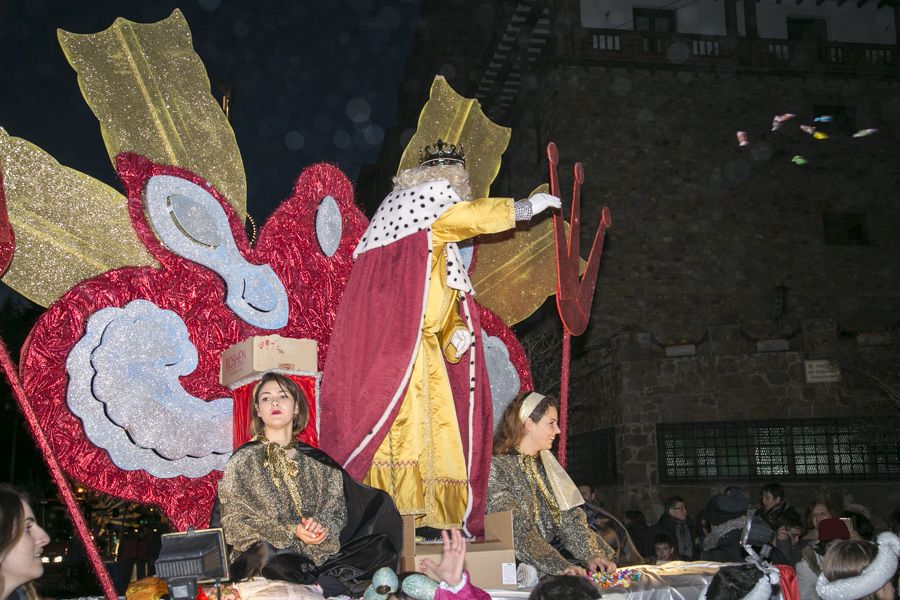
(515, 271)
(68, 226)
(458, 120)
(151, 94)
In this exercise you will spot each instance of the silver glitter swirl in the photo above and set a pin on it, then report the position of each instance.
(193, 225)
(329, 226)
(502, 374)
(124, 385)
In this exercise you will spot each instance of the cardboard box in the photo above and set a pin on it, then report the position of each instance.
(491, 563)
(262, 353)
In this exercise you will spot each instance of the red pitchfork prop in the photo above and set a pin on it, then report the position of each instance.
(574, 295)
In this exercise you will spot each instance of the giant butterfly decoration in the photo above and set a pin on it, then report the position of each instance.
(144, 291)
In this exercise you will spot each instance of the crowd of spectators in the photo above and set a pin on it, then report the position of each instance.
(801, 537)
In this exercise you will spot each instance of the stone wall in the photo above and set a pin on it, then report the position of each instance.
(731, 378)
(704, 231)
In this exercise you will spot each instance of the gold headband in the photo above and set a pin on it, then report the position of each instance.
(528, 405)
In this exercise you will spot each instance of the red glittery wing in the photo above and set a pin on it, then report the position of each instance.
(287, 242)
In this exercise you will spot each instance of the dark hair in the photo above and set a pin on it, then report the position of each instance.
(663, 538)
(861, 524)
(894, 522)
(790, 519)
(636, 515)
(12, 527)
(510, 430)
(672, 501)
(773, 488)
(733, 583)
(564, 587)
(289, 386)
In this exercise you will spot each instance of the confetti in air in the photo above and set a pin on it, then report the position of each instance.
(779, 120)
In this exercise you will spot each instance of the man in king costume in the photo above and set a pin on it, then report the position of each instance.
(406, 402)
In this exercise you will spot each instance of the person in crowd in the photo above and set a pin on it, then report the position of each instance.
(564, 587)
(291, 513)
(608, 527)
(823, 506)
(21, 543)
(676, 523)
(894, 522)
(775, 507)
(860, 570)
(860, 524)
(744, 582)
(593, 510)
(787, 537)
(401, 374)
(726, 515)
(526, 479)
(638, 531)
(831, 531)
(664, 549)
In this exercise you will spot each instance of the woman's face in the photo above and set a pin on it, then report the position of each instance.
(23, 561)
(819, 512)
(275, 406)
(542, 433)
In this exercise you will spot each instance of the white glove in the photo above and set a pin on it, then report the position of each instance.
(461, 340)
(541, 202)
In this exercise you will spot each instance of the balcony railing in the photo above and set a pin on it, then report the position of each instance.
(614, 46)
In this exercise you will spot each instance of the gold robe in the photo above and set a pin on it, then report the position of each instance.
(510, 488)
(420, 463)
(256, 508)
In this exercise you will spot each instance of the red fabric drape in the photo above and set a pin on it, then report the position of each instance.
(241, 412)
(789, 588)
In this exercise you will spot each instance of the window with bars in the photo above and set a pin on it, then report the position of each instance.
(794, 449)
(591, 457)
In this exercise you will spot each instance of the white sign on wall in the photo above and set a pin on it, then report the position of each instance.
(822, 371)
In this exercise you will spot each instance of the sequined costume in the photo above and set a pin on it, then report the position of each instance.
(398, 407)
(264, 492)
(518, 483)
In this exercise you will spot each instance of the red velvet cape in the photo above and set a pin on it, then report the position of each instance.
(370, 355)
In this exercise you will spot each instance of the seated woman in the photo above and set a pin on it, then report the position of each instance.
(21, 543)
(526, 479)
(291, 513)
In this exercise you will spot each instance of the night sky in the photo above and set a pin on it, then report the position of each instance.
(313, 81)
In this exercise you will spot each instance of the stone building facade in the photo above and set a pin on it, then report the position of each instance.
(728, 268)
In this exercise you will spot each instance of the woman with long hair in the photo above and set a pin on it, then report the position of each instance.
(291, 513)
(526, 479)
(21, 543)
